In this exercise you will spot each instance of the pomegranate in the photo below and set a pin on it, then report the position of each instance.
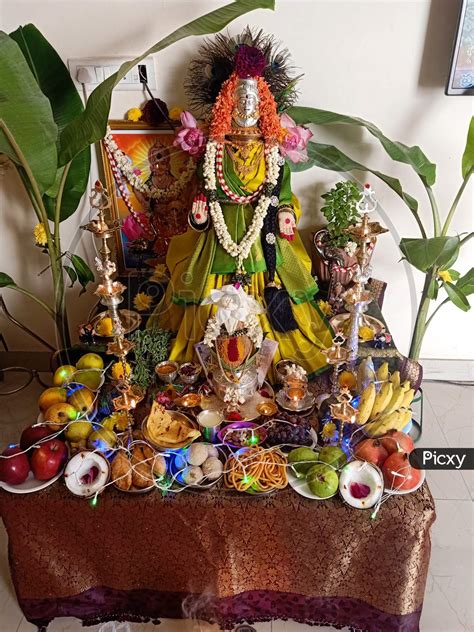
(399, 473)
(396, 441)
(371, 450)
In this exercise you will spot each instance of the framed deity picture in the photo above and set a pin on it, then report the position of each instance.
(151, 184)
(461, 75)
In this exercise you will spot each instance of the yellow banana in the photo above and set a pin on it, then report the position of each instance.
(406, 385)
(366, 404)
(396, 420)
(408, 398)
(395, 379)
(382, 372)
(397, 399)
(382, 399)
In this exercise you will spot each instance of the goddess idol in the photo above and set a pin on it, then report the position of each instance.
(243, 220)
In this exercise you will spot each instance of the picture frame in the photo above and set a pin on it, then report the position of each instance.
(161, 167)
(461, 75)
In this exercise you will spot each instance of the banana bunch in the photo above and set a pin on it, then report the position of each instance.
(389, 407)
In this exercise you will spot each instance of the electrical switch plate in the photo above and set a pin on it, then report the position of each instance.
(96, 69)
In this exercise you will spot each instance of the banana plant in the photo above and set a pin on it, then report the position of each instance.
(435, 252)
(46, 134)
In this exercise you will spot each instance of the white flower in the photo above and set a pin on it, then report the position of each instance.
(350, 248)
(234, 305)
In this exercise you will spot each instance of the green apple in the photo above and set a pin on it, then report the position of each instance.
(322, 480)
(298, 458)
(333, 455)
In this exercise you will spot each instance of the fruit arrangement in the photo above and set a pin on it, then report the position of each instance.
(386, 408)
(289, 429)
(319, 470)
(391, 453)
(45, 461)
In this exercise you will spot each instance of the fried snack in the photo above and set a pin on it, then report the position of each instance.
(158, 462)
(142, 469)
(162, 428)
(121, 472)
(256, 470)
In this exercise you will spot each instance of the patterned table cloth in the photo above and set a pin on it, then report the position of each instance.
(219, 556)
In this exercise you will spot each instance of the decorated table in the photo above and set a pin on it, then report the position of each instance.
(219, 556)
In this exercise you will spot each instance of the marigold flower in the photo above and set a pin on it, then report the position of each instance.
(134, 114)
(40, 235)
(175, 113)
(142, 302)
(445, 275)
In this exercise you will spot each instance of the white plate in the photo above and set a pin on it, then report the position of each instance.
(76, 466)
(365, 473)
(31, 484)
(401, 492)
(301, 486)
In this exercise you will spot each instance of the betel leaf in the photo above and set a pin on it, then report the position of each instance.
(90, 126)
(25, 116)
(457, 296)
(6, 280)
(468, 156)
(55, 82)
(329, 157)
(466, 283)
(83, 272)
(400, 152)
(423, 254)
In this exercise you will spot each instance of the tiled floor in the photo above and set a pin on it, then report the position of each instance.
(448, 603)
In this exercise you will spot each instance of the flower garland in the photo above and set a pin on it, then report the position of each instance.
(253, 330)
(242, 250)
(130, 173)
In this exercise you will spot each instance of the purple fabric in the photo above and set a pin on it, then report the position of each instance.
(106, 604)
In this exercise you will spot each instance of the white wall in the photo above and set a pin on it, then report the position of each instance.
(383, 60)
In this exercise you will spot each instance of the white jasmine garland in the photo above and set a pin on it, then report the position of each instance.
(242, 250)
(350, 248)
(126, 168)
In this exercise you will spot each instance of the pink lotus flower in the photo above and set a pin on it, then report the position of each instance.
(132, 229)
(189, 137)
(296, 140)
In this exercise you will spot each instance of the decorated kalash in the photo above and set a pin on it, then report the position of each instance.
(223, 390)
(243, 222)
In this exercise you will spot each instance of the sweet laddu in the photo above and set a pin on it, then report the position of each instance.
(243, 222)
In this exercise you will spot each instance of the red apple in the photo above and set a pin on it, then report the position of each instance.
(33, 434)
(399, 473)
(15, 469)
(48, 459)
(371, 450)
(396, 441)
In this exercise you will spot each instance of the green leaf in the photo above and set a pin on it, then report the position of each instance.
(26, 115)
(55, 82)
(454, 274)
(468, 156)
(84, 273)
(400, 152)
(433, 289)
(329, 157)
(91, 125)
(457, 296)
(74, 187)
(72, 274)
(466, 283)
(426, 253)
(6, 280)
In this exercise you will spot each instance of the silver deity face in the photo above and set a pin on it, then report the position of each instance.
(246, 102)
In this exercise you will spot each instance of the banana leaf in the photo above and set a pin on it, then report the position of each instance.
(26, 117)
(468, 156)
(423, 254)
(412, 156)
(90, 126)
(55, 82)
(331, 158)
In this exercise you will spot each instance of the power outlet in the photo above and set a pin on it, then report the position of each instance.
(91, 71)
